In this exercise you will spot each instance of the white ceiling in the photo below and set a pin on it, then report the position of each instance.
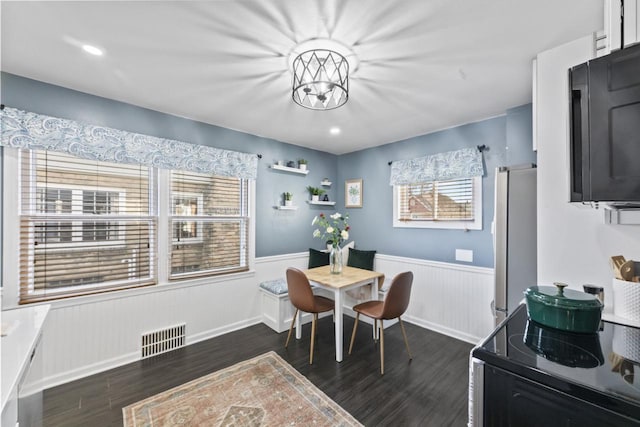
(424, 65)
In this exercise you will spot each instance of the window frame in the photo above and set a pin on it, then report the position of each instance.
(11, 168)
(187, 218)
(476, 224)
(76, 218)
(246, 215)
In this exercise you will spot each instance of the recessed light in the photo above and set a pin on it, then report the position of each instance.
(92, 50)
(334, 130)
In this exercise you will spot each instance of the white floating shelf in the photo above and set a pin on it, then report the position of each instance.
(288, 169)
(326, 183)
(319, 202)
(286, 208)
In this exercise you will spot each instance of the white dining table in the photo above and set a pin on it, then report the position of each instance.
(349, 278)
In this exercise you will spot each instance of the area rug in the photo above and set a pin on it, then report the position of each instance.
(263, 391)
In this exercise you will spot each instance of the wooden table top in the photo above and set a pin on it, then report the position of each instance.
(348, 277)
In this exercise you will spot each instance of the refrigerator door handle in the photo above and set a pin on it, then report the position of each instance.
(493, 308)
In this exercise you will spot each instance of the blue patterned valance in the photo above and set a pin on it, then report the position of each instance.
(458, 164)
(22, 129)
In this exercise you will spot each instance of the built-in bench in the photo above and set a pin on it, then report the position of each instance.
(277, 310)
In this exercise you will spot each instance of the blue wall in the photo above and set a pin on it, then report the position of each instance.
(508, 138)
(277, 232)
(509, 142)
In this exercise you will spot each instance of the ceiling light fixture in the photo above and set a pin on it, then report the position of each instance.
(334, 130)
(321, 70)
(92, 50)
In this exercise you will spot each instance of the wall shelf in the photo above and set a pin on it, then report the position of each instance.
(320, 202)
(286, 208)
(288, 169)
(326, 183)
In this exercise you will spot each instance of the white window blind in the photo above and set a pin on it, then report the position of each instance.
(436, 201)
(85, 226)
(209, 224)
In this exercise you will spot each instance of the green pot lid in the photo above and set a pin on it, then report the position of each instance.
(557, 296)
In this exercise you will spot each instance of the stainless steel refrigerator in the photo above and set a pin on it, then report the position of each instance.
(514, 237)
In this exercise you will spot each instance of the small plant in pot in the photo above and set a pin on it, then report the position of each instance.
(302, 164)
(287, 198)
(315, 193)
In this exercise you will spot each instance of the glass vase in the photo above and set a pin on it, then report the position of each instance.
(335, 259)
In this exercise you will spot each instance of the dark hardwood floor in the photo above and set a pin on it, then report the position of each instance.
(429, 391)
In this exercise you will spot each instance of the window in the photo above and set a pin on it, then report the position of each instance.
(73, 200)
(439, 204)
(90, 226)
(209, 220)
(186, 205)
(85, 226)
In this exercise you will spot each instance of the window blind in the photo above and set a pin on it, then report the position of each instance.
(85, 225)
(437, 201)
(209, 224)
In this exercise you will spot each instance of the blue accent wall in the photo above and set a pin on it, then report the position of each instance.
(508, 138)
(277, 232)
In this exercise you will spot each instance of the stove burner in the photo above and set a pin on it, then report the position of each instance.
(568, 349)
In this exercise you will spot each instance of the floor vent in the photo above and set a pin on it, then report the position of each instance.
(163, 340)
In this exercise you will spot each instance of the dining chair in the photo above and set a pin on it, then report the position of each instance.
(303, 299)
(393, 306)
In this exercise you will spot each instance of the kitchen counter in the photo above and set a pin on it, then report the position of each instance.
(24, 328)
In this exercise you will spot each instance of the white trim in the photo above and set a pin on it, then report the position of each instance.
(10, 230)
(283, 257)
(476, 224)
(438, 264)
(105, 365)
(163, 254)
(442, 330)
(151, 289)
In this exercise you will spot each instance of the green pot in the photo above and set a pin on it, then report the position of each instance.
(563, 309)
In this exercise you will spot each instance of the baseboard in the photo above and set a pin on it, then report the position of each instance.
(212, 333)
(125, 359)
(442, 330)
(85, 371)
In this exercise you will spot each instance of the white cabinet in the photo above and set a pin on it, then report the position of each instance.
(22, 365)
(621, 24)
(550, 97)
(631, 22)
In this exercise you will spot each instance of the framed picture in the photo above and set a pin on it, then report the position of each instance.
(353, 193)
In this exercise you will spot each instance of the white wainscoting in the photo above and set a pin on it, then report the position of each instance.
(84, 336)
(452, 299)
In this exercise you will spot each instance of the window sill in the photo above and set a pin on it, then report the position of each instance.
(128, 293)
(443, 225)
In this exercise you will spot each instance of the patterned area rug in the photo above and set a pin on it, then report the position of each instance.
(263, 391)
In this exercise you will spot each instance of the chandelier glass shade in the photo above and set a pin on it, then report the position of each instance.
(320, 79)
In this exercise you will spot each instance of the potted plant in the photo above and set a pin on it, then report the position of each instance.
(302, 164)
(287, 198)
(315, 193)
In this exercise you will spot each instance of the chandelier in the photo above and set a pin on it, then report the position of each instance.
(321, 74)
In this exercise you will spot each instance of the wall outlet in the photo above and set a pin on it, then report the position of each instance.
(464, 255)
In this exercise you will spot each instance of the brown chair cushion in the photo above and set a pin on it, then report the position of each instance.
(372, 309)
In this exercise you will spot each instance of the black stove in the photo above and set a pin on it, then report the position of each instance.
(602, 368)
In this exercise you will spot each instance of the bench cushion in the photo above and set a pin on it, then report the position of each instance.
(276, 287)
